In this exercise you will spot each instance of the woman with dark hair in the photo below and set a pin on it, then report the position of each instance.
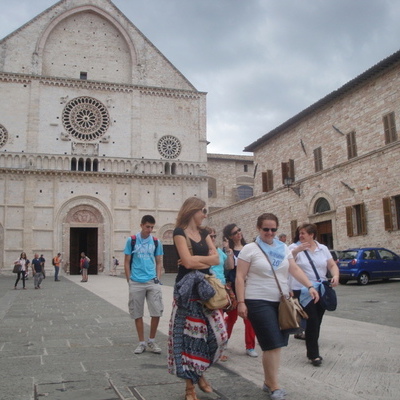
(23, 262)
(304, 250)
(236, 244)
(258, 295)
(197, 335)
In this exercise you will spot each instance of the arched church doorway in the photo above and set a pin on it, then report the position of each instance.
(83, 240)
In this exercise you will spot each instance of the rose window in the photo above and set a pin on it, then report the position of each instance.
(169, 146)
(3, 136)
(85, 118)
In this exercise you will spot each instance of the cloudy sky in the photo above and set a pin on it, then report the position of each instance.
(261, 61)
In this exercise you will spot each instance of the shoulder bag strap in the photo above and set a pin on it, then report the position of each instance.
(276, 279)
(312, 265)
(189, 243)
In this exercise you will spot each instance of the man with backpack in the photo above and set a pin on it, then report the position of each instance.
(143, 265)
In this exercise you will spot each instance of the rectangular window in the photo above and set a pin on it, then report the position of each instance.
(83, 75)
(245, 168)
(351, 145)
(389, 126)
(356, 220)
(288, 171)
(267, 181)
(391, 212)
(318, 159)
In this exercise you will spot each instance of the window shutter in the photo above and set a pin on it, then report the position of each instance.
(291, 170)
(264, 183)
(293, 227)
(363, 217)
(285, 171)
(267, 181)
(387, 214)
(349, 221)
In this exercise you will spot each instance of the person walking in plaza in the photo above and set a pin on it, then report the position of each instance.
(236, 244)
(197, 335)
(143, 266)
(84, 265)
(308, 251)
(57, 263)
(37, 268)
(114, 266)
(258, 295)
(23, 262)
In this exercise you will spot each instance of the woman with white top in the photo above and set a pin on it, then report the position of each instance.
(323, 261)
(258, 295)
(23, 262)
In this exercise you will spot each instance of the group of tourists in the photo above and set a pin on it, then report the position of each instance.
(22, 264)
(198, 335)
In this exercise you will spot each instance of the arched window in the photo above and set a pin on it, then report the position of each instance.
(95, 165)
(88, 166)
(73, 164)
(244, 192)
(321, 205)
(81, 165)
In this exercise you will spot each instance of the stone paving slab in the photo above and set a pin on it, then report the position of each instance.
(67, 342)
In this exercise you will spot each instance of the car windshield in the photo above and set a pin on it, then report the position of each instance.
(348, 255)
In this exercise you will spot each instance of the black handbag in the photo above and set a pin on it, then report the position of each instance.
(328, 298)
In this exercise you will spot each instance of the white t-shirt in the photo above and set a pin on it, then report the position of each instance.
(260, 282)
(320, 257)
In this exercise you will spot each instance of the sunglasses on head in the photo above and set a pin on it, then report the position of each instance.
(236, 232)
(269, 229)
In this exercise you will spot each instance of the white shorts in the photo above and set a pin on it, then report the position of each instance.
(150, 291)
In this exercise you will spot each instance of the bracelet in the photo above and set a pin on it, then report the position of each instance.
(310, 287)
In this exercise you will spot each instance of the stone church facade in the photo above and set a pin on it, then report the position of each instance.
(334, 164)
(97, 128)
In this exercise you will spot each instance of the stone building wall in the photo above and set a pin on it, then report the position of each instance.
(366, 179)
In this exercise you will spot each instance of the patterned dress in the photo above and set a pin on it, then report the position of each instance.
(197, 335)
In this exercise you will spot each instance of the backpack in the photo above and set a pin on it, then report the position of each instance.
(53, 262)
(116, 262)
(133, 244)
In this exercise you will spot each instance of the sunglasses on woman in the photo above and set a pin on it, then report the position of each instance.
(213, 236)
(204, 211)
(236, 232)
(269, 229)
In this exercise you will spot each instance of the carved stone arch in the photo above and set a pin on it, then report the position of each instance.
(316, 197)
(84, 212)
(165, 234)
(41, 43)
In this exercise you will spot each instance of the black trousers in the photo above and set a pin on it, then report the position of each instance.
(315, 314)
(20, 275)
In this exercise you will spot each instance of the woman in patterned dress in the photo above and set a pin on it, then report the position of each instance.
(197, 336)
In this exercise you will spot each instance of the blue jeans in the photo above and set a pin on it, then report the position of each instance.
(56, 272)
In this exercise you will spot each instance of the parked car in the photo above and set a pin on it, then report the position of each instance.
(368, 263)
(336, 255)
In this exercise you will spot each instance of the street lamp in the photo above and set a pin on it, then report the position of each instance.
(288, 182)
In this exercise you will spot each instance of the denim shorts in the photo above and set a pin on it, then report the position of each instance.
(263, 316)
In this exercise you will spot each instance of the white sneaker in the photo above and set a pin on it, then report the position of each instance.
(251, 353)
(140, 349)
(154, 347)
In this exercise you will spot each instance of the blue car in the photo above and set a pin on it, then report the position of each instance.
(368, 263)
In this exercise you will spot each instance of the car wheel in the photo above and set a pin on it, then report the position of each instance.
(363, 279)
(343, 281)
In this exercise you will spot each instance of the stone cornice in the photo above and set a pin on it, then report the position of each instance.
(98, 85)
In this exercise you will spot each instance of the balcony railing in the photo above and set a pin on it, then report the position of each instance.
(50, 162)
